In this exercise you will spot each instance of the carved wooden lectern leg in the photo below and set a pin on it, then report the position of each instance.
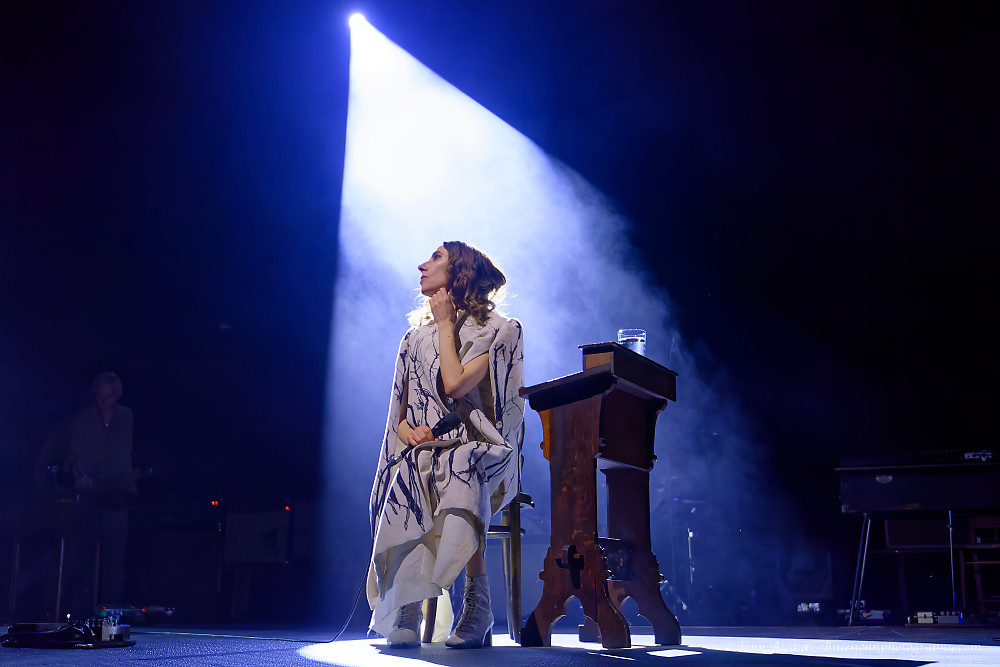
(628, 496)
(645, 590)
(574, 565)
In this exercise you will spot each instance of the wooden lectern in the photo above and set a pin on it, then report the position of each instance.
(604, 416)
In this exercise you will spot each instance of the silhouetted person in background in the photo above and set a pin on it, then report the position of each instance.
(100, 459)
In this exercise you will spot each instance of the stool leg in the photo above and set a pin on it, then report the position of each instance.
(505, 551)
(430, 618)
(514, 595)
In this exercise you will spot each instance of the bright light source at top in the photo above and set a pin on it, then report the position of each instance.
(356, 20)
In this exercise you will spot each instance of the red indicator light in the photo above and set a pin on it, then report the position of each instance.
(287, 508)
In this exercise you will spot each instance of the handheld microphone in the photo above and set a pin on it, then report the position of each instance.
(447, 423)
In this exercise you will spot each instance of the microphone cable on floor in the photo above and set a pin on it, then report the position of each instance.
(447, 423)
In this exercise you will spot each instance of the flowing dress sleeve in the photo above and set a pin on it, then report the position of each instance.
(507, 378)
(391, 444)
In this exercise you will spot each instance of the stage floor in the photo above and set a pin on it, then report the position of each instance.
(882, 646)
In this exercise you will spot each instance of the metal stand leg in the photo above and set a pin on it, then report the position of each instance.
(859, 570)
(13, 581)
(97, 579)
(59, 581)
(951, 553)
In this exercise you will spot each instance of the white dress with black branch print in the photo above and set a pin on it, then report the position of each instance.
(428, 514)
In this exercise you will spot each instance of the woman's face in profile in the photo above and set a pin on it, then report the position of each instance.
(434, 272)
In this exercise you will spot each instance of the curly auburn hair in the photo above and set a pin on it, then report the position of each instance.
(473, 280)
(474, 283)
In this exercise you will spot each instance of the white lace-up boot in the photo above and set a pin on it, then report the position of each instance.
(406, 634)
(474, 628)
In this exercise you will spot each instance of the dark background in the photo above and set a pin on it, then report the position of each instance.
(812, 183)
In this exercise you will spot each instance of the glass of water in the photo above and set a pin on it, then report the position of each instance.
(633, 339)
